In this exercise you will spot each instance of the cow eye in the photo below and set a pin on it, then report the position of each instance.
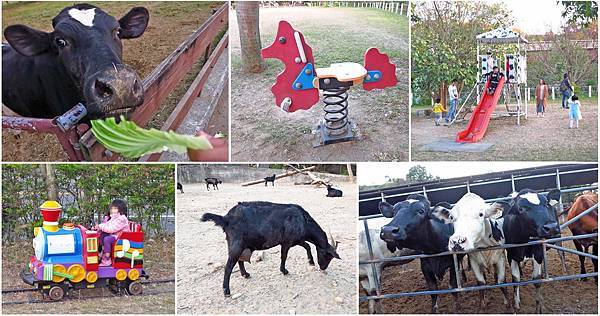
(61, 42)
(421, 211)
(118, 32)
(480, 214)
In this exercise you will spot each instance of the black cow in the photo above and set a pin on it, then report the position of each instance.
(214, 181)
(251, 226)
(332, 192)
(270, 179)
(180, 187)
(46, 74)
(413, 226)
(529, 215)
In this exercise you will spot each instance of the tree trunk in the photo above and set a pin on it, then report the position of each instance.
(50, 181)
(247, 17)
(350, 173)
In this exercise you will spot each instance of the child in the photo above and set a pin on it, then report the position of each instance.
(574, 111)
(114, 222)
(437, 111)
(494, 76)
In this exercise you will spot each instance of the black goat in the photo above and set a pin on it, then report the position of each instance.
(179, 187)
(251, 226)
(214, 181)
(270, 179)
(331, 192)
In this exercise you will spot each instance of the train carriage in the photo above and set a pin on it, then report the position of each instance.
(68, 257)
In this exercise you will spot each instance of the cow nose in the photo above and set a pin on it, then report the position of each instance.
(389, 232)
(115, 87)
(103, 89)
(549, 230)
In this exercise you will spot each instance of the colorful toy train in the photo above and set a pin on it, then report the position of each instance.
(68, 258)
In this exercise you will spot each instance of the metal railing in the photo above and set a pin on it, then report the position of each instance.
(547, 243)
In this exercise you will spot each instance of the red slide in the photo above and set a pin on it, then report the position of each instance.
(481, 116)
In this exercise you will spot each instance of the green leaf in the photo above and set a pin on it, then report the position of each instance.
(130, 140)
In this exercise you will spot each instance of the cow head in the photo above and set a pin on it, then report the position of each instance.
(325, 255)
(535, 212)
(87, 42)
(470, 218)
(407, 217)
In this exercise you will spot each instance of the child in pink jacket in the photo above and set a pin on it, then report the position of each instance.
(114, 222)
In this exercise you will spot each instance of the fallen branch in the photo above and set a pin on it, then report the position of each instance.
(279, 176)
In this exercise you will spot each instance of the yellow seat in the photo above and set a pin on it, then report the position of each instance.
(343, 72)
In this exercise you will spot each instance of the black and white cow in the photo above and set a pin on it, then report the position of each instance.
(414, 226)
(380, 250)
(478, 224)
(46, 74)
(529, 215)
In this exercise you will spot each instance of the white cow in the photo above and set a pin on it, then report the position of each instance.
(380, 251)
(477, 225)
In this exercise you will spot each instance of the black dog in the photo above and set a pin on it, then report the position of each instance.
(270, 179)
(179, 187)
(331, 192)
(214, 181)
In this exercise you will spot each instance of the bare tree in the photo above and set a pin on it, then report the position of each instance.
(248, 24)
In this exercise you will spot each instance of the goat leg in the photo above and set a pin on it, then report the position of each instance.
(284, 252)
(243, 270)
(306, 246)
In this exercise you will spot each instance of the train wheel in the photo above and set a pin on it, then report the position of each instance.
(56, 293)
(135, 288)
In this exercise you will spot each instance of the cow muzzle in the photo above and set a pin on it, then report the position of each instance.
(392, 233)
(458, 243)
(112, 91)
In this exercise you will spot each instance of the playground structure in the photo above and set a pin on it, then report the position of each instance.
(515, 71)
(297, 86)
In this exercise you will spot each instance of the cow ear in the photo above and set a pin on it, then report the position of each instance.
(386, 209)
(553, 197)
(442, 212)
(27, 41)
(134, 23)
(497, 209)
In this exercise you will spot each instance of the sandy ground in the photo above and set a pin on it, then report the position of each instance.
(547, 138)
(381, 115)
(303, 290)
(143, 54)
(566, 297)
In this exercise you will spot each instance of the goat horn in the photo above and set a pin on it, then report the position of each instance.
(333, 242)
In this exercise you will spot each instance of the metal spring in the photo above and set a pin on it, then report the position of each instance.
(336, 109)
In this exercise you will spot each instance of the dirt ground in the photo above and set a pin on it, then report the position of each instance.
(381, 115)
(565, 297)
(159, 263)
(536, 139)
(303, 291)
(143, 54)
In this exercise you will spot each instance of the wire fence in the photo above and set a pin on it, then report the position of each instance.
(547, 243)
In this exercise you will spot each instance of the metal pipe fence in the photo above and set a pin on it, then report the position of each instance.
(545, 243)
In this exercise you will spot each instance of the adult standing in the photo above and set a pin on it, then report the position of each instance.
(541, 97)
(567, 90)
(453, 94)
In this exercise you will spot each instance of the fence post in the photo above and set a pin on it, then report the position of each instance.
(590, 91)
(553, 96)
(401, 7)
(561, 208)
